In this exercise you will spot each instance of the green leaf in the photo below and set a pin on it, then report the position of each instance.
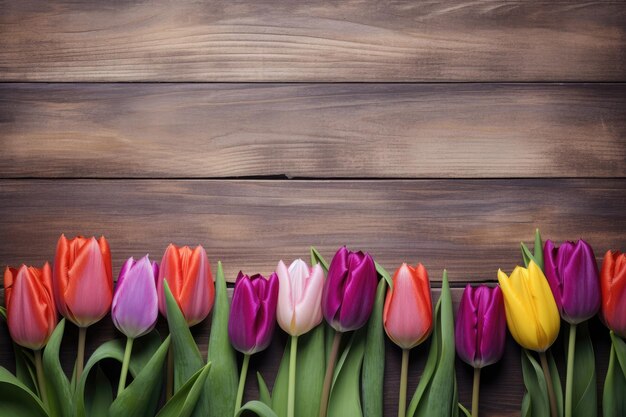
(264, 392)
(98, 395)
(16, 400)
(556, 382)
(57, 385)
(140, 398)
(221, 385)
(309, 376)
(255, 408)
(374, 358)
(383, 273)
(465, 411)
(585, 403)
(187, 357)
(613, 398)
(345, 392)
(537, 256)
(25, 368)
(316, 257)
(436, 391)
(185, 401)
(535, 403)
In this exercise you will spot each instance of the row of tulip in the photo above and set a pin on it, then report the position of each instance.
(352, 298)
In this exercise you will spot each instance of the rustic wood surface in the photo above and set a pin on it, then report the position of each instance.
(274, 40)
(313, 130)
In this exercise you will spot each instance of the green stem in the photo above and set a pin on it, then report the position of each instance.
(548, 377)
(569, 378)
(169, 384)
(125, 363)
(291, 393)
(475, 392)
(40, 378)
(242, 381)
(404, 372)
(330, 370)
(80, 356)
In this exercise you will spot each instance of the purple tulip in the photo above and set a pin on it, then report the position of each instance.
(481, 326)
(573, 276)
(135, 303)
(253, 313)
(349, 290)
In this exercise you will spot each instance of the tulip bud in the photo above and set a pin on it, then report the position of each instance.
(572, 273)
(31, 313)
(82, 279)
(350, 290)
(253, 313)
(135, 303)
(188, 275)
(299, 297)
(613, 284)
(531, 312)
(481, 326)
(408, 311)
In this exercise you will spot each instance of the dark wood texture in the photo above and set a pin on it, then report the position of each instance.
(274, 40)
(313, 130)
(501, 387)
(470, 227)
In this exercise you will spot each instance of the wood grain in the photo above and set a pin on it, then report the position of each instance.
(274, 40)
(501, 384)
(470, 227)
(313, 130)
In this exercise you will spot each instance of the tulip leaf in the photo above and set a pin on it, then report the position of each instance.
(57, 384)
(316, 257)
(585, 403)
(383, 273)
(345, 392)
(613, 398)
(255, 408)
(185, 400)
(221, 384)
(535, 403)
(374, 358)
(556, 382)
(537, 256)
(264, 392)
(25, 368)
(16, 400)
(436, 392)
(99, 395)
(140, 398)
(309, 375)
(465, 411)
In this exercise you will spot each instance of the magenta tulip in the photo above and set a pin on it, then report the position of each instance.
(349, 290)
(573, 276)
(253, 313)
(135, 303)
(481, 326)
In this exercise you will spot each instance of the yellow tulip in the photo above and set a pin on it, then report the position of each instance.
(531, 312)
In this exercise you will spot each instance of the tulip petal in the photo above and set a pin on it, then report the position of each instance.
(308, 312)
(359, 292)
(335, 284)
(285, 308)
(242, 318)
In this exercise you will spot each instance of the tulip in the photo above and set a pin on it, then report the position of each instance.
(31, 313)
(408, 316)
(188, 275)
(83, 285)
(480, 331)
(252, 319)
(299, 297)
(613, 285)
(531, 314)
(572, 273)
(135, 305)
(347, 302)
(299, 309)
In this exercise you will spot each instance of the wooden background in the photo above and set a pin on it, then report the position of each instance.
(442, 132)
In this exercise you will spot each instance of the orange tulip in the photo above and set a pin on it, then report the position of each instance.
(408, 312)
(188, 274)
(613, 286)
(31, 312)
(83, 281)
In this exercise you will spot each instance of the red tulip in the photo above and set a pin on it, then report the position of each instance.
(82, 279)
(613, 286)
(31, 312)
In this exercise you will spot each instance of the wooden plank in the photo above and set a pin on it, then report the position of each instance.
(313, 130)
(471, 227)
(275, 40)
(501, 384)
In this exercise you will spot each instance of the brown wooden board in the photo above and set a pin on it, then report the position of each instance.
(470, 227)
(501, 384)
(275, 40)
(313, 130)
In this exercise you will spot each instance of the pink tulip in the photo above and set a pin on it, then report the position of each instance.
(299, 297)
